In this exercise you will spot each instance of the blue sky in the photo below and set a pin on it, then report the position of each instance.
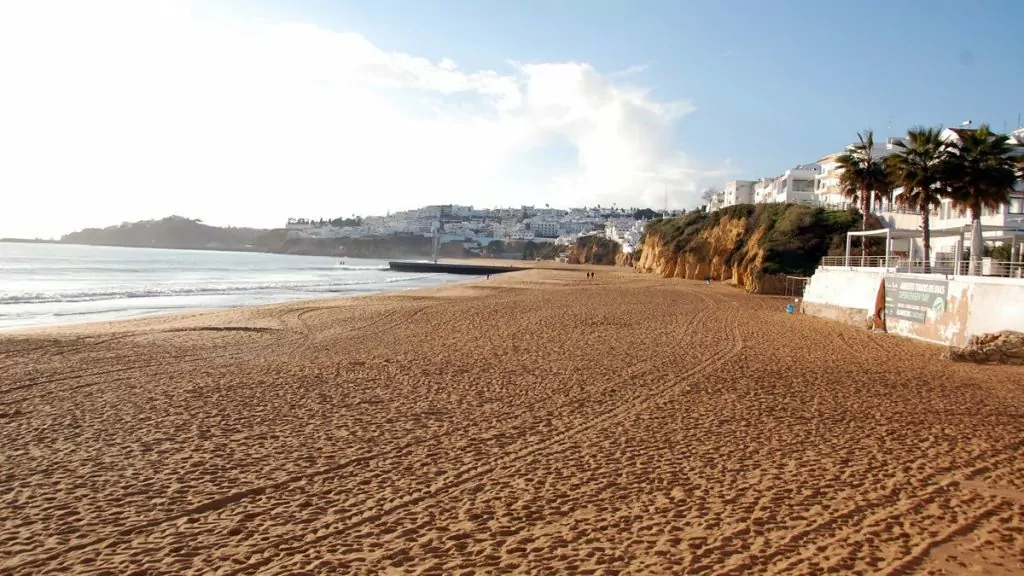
(249, 112)
(774, 83)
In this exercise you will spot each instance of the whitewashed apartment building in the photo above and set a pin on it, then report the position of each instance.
(945, 218)
(737, 192)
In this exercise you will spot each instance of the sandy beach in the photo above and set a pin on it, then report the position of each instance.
(536, 422)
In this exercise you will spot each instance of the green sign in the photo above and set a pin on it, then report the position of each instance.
(917, 300)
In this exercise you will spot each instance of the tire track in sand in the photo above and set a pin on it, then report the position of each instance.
(88, 374)
(471, 473)
(229, 350)
(859, 514)
(221, 502)
(229, 499)
(209, 506)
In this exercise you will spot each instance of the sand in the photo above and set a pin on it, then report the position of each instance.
(535, 422)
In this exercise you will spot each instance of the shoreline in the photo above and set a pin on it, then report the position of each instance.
(86, 326)
(538, 421)
(456, 279)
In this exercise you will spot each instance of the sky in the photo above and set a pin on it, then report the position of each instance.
(248, 112)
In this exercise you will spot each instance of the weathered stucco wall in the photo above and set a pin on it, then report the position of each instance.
(948, 311)
(843, 295)
(996, 305)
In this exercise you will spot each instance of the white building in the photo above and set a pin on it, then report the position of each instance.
(738, 192)
(462, 211)
(625, 231)
(764, 191)
(827, 189)
(545, 228)
(717, 201)
(796, 185)
(947, 218)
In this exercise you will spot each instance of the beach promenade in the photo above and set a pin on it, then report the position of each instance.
(536, 422)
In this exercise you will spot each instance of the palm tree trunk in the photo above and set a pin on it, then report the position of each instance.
(926, 239)
(864, 208)
(977, 242)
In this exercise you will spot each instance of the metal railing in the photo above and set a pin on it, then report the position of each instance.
(948, 267)
(795, 285)
(998, 268)
(857, 261)
(944, 267)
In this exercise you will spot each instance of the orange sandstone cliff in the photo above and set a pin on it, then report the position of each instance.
(598, 250)
(753, 247)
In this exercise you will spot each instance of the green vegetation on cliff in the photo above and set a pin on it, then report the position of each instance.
(594, 250)
(754, 247)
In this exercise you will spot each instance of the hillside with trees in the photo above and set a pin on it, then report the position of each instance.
(176, 232)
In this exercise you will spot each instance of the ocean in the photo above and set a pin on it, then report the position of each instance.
(47, 284)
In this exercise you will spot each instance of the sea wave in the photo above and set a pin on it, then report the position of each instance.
(150, 267)
(344, 267)
(241, 289)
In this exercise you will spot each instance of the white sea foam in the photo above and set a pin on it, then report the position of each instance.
(47, 284)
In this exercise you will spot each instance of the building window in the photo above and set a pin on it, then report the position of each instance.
(803, 186)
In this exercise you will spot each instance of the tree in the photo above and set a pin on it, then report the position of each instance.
(530, 250)
(494, 248)
(918, 168)
(979, 174)
(645, 214)
(864, 179)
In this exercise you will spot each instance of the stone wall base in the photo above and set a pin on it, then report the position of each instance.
(853, 316)
(1006, 347)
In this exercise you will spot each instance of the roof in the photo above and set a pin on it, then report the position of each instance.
(1008, 231)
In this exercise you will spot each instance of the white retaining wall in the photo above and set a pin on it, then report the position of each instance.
(843, 294)
(974, 305)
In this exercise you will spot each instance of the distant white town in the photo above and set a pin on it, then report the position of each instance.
(816, 183)
(476, 228)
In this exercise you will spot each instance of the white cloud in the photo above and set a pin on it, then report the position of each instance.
(115, 111)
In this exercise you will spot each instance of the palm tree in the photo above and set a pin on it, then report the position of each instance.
(864, 179)
(979, 176)
(918, 167)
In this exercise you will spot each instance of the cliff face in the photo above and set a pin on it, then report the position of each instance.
(747, 246)
(624, 259)
(596, 250)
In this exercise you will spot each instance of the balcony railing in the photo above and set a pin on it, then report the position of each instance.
(854, 261)
(987, 267)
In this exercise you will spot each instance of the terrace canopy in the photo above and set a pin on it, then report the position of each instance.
(1005, 233)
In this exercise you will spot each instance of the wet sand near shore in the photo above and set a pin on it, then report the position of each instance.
(536, 422)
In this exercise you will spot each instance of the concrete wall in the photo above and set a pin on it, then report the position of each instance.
(842, 294)
(974, 305)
